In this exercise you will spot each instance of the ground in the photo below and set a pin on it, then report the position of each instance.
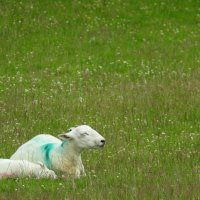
(129, 69)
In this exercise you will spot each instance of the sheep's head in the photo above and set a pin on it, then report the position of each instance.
(84, 137)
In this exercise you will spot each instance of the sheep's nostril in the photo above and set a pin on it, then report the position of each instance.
(103, 141)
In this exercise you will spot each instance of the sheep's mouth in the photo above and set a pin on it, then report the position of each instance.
(100, 146)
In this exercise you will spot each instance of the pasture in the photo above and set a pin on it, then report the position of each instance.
(129, 69)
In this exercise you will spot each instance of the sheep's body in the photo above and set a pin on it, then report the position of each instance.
(50, 153)
(60, 156)
(24, 168)
(38, 149)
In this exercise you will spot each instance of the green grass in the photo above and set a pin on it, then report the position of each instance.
(130, 69)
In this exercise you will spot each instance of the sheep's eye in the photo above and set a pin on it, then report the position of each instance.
(85, 133)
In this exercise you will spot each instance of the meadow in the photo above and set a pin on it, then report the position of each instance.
(130, 69)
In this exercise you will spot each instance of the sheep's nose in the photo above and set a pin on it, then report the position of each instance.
(103, 141)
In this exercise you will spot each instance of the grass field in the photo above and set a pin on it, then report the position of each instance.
(129, 69)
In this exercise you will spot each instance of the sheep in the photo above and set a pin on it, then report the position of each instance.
(61, 155)
(24, 168)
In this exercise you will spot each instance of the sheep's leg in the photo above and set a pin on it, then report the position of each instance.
(82, 170)
(7, 175)
(75, 173)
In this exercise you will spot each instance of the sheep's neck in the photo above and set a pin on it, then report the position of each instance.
(69, 160)
(69, 149)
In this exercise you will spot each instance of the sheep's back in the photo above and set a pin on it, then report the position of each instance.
(31, 150)
(44, 139)
(18, 167)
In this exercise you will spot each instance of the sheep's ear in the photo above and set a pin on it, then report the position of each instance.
(41, 165)
(64, 136)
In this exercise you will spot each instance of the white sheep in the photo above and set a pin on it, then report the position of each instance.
(61, 155)
(24, 168)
